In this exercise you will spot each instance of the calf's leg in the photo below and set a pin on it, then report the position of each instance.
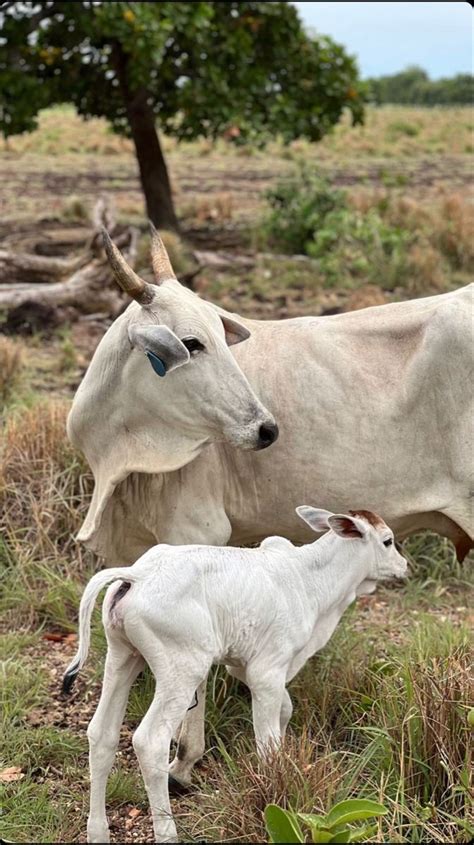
(191, 743)
(268, 695)
(122, 666)
(285, 712)
(152, 740)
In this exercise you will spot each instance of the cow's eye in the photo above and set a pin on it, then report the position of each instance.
(388, 542)
(192, 344)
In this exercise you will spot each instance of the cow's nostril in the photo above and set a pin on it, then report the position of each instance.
(267, 434)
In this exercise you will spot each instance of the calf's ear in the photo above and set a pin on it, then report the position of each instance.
(347, 526)
(234, 332)
(162, 343)
(316, 518)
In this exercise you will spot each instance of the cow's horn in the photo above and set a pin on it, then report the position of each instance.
(159, 258)
(124, 275)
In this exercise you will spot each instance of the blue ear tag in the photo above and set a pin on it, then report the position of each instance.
(158, 365)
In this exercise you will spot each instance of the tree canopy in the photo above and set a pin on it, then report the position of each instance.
(244, 69)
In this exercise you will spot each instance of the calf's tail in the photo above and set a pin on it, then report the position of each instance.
(95, 585)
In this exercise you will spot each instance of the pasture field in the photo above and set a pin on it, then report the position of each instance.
(383, 710)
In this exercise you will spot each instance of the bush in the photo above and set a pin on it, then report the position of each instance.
(308, 215)
(380, 237)
(300, 204)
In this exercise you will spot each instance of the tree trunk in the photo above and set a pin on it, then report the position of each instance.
(153, 171)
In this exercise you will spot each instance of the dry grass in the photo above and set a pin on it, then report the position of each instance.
(386, 722)
(306, 774)
(11, 367)
(389, 131)
(44, 494)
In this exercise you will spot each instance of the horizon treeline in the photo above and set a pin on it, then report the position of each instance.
(414, 87)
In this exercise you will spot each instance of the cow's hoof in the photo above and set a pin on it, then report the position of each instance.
(175, 786)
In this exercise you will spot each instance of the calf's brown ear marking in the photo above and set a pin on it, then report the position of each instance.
(369, 516)
(346, 526)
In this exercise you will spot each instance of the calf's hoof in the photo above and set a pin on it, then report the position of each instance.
(177, 787)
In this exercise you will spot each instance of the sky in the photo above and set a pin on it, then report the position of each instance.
(386, 37)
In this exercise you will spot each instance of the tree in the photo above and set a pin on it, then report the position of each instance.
(414, 87)
(244, 69)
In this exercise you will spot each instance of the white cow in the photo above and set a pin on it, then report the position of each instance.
(261, 612)
(360, 398)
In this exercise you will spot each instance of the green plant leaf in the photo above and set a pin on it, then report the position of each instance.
(282, 825)
(321, 834)
(353, 810)
(312, 819)
(361, 834)
(342, 836)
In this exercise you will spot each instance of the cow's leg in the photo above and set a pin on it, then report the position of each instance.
(191, 743)
(122, 666)
(152, 739)
(268, 697)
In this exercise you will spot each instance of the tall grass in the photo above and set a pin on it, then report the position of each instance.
(11, 368)
(44, 493)
(394, 728)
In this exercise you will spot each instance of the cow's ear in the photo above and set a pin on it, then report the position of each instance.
(163, 345)
(316, 518)
(234, 332)
(347, 526)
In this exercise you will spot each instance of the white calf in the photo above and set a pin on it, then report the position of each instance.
(262, 612)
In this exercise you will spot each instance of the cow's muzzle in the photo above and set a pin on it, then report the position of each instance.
(267, 434)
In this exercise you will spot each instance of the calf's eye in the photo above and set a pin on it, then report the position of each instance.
(192, 344)
(388, 542)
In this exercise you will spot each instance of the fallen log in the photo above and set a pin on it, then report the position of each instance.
(81, 284)
(89, 289)
(15, 267)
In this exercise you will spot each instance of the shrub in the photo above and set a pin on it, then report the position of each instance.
(299, 207)
(401, 127)
(377, 237)
(310, 216)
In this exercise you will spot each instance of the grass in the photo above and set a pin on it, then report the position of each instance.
(220, 185)
(389, 131)
(11, 367)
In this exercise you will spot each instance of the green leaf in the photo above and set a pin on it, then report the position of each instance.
(282, 825)
(361, 834)
(353, 810)
(312, 819)
(342, 836)
(321, 834)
